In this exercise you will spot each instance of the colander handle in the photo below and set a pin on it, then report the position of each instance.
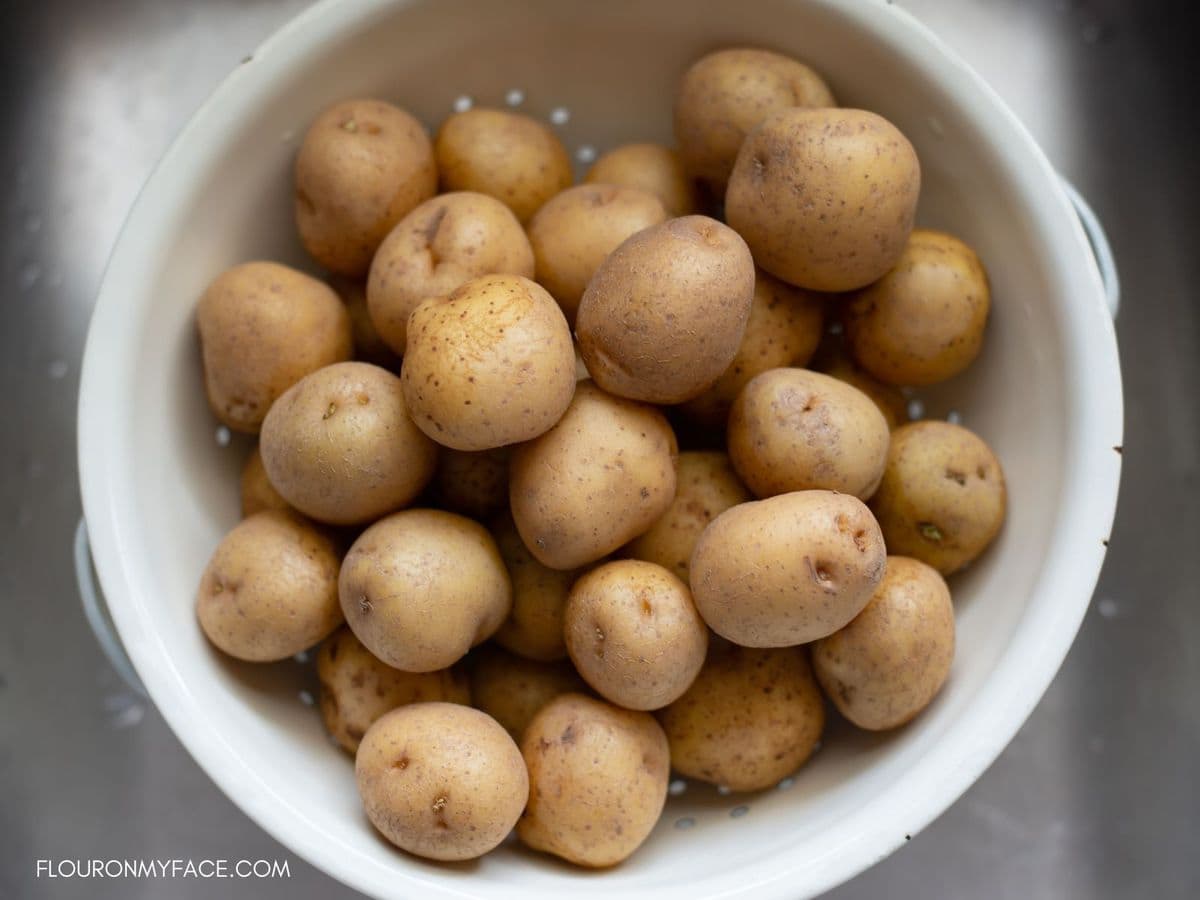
(1101, 249)
(96, 610)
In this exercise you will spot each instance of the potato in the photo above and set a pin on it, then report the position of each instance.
(706, 486)
(784, 329)
(833, 360)
(490, 365)
(357, 688)
(441, 780)
(725, 94)
(796, 430)
(751, 718)
(262, 328)
(923, 321)
(362, 166)
(664, 314)
(422, 587)
(270, 588)
(512, 690)
(575, 231)
(436, 249)
(942, 498)
(787, 570)
(598, 780)
(472, 484)
(892, 659)
(534, 628)
(825, 197)
(340, 446)
(512, 157)
(368, 345)
(650, 167)
(256, 489)
(596, 480)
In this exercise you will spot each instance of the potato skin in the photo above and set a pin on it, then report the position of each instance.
(340, 445)
(575, 231)
(257, 492)
(512, 157)
(534, 628)
(886, 666)
(725, 94)
(634, 635)
(832, 359)
(357, 688)
(751, 718)
(594, 481)
(270, 588)
(664, 314)
(784, 329)
(472, 484)
(706, 486)
(512, 689)
(825, 198)
(650, 167)
(591, 813)
(263, 327)
(796, 430)
(422, 587)
(787, 570)
(923, 321)
(440, 780)
(436, 249)
(362, 166)
(942, 499)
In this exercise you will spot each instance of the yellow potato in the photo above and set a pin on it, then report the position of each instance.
(512, 157)
(493, 364)
(362, 166)
(256, 489)
(825, 198)
(340, 445)
(512, 690)
(664, 314)
(832, 360)
(942, 498)
(650, 167)
(368, 345)
(787, 570)
(263, 327)
(893, 658)
(598, 780)
(594, 481)
(472, 484)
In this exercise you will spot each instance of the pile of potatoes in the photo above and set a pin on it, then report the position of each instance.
(469, 488)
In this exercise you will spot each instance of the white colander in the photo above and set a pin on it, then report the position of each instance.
(159, 491)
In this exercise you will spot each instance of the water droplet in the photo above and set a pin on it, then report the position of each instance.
(223, 436)
(515, 97)
(936, 126)
(57, 369)
(786, 783)
(463, 103)
(30, 275)
(1107, 607)
(560, 115)
(307, 698)
(724, 790)
(954, 417)
(916, 409)
(685, 823)
(738, 811)
(677, 787)
(586, 153)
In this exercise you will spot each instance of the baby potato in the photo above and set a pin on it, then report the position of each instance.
(634, 634)
(725, 94)
(534, 628)
(751, 718)
(892, 659)
(262, 328)
(362, 166)
(436, 249)
(664, 314)
(514, 158)
(422, 587)
(357, 688)
(923, 321)
(490, 365)
(257, 491)
(596, 480)
(340, 446)
(368, 345)
(575, 231)
(472, 484)
(796, 430)
(598, 780)
(942, 498)
(270, 588)
(650, 167)
(832, 360)
(440, 780)
(512, 690)
(784, 329)
(787, 570)
(706, 486)
(825, 197)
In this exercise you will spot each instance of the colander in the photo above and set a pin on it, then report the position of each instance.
(159, 481)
